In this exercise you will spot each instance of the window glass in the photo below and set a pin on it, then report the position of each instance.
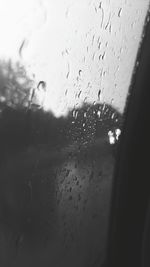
(65, 71)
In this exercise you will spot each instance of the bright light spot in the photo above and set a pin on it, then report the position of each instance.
(2, 99)
(117, 132)
(99, 113)
(111, 137)
(114, 136)
(112, 140)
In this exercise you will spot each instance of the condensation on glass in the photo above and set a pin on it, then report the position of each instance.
(65, 71)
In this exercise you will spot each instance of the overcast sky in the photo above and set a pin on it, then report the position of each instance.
(79, 47)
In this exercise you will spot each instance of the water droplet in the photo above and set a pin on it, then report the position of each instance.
(95, 9)
(119, 12)
(103, 56)
(99, 57)
(112, 116)
(79, 94)
(41, 85)
(68, 72)
(23, 44)
(93, 39)
(80, 71)
(100, 5)
(99, 94)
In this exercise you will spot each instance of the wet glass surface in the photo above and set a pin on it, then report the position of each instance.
(64, 79)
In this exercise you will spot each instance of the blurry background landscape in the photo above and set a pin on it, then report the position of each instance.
(65, 71)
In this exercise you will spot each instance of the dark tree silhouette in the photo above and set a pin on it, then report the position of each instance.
(21, 128)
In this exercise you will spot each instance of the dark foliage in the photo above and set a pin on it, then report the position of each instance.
(22, 128)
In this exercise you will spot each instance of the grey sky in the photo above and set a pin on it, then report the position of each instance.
(78, 47)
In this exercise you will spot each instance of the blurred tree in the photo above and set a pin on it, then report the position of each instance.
(15, 85)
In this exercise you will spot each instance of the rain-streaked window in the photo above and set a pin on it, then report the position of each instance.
(65, 72)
